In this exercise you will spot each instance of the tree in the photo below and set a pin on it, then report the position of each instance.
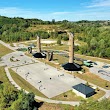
(53, 21)
(59, 41)
(101, 44)
(16, 105)
(107, 52)
(65, 38)
(93, 43)
(15, 100)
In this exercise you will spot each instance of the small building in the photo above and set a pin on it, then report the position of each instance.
(83, 90)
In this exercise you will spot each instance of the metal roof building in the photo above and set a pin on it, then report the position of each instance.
(83, 90)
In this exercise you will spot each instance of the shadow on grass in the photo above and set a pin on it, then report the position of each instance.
(38, 104)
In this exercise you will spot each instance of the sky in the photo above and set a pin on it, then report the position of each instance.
(72, 10)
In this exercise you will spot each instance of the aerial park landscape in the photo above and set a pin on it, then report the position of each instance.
(55, 55)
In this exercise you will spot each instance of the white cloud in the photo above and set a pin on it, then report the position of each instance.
(90, 14)
(17, 12)
(99, 3)
(61, 13)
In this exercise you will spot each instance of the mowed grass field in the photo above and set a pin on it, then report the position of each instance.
(3, 77)
(43, 28)
(4, 50)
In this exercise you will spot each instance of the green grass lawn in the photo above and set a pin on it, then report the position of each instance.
(4, 50)
(68, 96)
(3, 77)
(60, 59)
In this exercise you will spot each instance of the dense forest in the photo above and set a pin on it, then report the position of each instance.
(12, 99)
(95, 35)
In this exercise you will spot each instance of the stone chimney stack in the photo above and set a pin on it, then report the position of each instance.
(38, 44)
(71, 65)
(71, 47)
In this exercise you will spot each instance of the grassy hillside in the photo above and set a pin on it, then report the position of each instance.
(4, 50)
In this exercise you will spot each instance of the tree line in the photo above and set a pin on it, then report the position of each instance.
(94, 34)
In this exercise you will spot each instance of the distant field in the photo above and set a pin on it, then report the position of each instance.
(4, 50)
(57, 47)
(43, 28)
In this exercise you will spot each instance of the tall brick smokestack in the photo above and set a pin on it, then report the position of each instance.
(38, 44)
(71, 65)
(71, 47)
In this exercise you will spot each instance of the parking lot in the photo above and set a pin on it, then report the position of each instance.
(102, 70)
(17, 59)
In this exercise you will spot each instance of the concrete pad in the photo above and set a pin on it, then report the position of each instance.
(53, 82)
